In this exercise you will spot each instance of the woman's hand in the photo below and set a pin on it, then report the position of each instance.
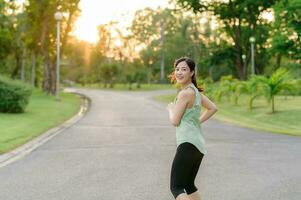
(170, 106)
(176, 110)
(210, 106)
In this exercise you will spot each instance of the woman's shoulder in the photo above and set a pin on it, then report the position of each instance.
(187, 93)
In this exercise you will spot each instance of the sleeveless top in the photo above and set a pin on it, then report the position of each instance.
(189, 129)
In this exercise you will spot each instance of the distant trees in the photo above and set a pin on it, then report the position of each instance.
(214, 33)
(27, 38)
(287, 30)
(240, 20)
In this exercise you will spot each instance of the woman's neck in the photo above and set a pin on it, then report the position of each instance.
(185, 85)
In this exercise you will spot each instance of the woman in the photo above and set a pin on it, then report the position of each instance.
(184, 113)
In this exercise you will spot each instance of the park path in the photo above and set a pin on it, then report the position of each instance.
(123, 150)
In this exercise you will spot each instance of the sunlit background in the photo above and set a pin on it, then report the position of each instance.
(242, 50)
(94, 13)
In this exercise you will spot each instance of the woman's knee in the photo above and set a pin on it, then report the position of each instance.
(176, 190)
(190, 189)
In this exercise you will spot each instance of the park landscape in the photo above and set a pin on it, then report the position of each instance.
(248, 57)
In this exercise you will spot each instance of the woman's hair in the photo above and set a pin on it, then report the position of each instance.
(191, 65)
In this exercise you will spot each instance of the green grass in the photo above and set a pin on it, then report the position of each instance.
(125, 87)
(286, 119)
(42, 113)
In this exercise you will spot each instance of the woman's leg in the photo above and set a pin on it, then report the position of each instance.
(183, 196)
(190, 188)
(181, 170)
(195, 196)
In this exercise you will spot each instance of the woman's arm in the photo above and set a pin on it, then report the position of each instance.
(176, 111)
(210, 106)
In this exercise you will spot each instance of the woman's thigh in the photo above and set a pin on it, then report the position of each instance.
(184, 165)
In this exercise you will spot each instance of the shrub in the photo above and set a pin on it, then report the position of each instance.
(14, 95)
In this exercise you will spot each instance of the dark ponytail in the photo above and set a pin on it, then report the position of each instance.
(191, 65)
(193, 80)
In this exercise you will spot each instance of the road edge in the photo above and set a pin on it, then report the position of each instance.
(33, 144)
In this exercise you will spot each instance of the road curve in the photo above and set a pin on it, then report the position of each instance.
(123, 149)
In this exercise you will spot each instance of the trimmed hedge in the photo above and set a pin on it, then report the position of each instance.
(14, 95)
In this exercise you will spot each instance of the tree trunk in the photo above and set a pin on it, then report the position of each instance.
(278, 60)
(240, 67)
(273, 106)
(18, 66)
(33, 69)
(162, 28)
(23, 64)
(47, 75)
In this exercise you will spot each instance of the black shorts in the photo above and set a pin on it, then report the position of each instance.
(184, 169)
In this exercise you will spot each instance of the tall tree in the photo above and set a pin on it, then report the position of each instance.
(287, 26)
(5, 30)
(41, 15)
(241, 20)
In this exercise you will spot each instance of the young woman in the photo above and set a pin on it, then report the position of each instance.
(184, 113)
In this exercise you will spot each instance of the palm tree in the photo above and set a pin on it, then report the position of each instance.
(252, 88)
(236, 88)
(278, 82)
(224, 88)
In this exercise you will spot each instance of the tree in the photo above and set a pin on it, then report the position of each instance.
(5, 31)
(241, 19)
(278, 82)
(287, 26)
(184, 35)
(108, 73)
(77, 58)
(41, 17)
(253, 89)
(154, 25)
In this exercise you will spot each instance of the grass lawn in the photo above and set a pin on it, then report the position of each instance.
(42, 113)
(285, 120)
(120, 86)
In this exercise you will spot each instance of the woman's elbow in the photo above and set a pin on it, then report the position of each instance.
(174, 122)
(213, 109)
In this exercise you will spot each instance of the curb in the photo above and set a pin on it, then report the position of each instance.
(28, 147)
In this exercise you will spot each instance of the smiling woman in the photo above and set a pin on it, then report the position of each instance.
(94, 13)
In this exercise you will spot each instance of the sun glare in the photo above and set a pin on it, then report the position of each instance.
(94, 13)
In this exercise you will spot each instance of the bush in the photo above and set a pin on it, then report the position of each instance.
(14, 95)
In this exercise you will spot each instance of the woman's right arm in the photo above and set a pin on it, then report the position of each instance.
(210, 108)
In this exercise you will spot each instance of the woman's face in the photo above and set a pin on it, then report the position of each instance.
(183, 73)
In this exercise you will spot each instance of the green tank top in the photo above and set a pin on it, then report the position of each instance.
(189, 129)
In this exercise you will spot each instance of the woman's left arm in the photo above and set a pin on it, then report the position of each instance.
(176, 110)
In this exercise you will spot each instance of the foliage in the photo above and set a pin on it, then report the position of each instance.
(43, 34)
(287, 40)
(279, 81)
(135, 73)
(108, 72)
(253, 89)
(5, 28)
(241, 20)
(225, 88)
(14, 95)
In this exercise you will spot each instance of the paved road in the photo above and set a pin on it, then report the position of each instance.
(123, 150)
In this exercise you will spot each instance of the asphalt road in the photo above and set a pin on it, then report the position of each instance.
(123, 150)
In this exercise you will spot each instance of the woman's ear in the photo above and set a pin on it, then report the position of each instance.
(192, 74)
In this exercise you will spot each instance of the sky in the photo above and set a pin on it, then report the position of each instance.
(96, 12)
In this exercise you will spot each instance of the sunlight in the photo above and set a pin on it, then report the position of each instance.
(94, 13)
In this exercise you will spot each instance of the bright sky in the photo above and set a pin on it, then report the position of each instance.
(95, 12)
